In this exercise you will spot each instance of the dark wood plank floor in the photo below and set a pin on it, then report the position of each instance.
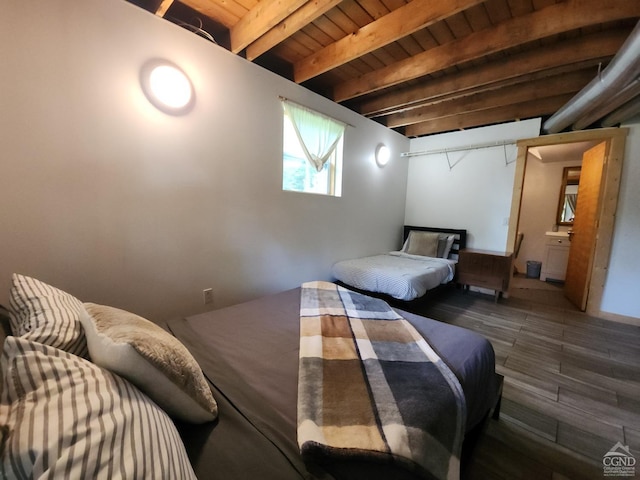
(572, 383)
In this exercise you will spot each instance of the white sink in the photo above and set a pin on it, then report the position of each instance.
(557, 234)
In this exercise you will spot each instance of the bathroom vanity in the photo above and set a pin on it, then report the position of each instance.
(556, 256)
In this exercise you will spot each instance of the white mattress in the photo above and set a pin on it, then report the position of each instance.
(397, 274)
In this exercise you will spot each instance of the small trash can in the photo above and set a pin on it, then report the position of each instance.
(533, 269)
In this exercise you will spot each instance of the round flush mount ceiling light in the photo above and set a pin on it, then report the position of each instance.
(167, 87)
(383, 154)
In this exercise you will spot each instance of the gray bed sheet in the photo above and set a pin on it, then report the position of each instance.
(249, 354)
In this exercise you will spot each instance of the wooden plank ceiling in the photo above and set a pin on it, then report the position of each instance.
(422, 66)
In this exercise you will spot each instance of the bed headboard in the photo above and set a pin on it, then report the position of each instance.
(459, 242)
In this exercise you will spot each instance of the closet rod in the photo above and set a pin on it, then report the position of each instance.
(458, 149)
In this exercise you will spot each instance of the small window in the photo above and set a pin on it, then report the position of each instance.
(312, 151)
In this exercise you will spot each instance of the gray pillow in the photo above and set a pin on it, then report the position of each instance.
(423, 243)
(152, 359)
(445, 242)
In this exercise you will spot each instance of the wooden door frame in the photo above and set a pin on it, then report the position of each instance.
(608, 200)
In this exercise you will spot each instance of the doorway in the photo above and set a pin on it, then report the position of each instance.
(614, 139)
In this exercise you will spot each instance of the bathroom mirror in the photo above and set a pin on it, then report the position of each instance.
(568, 195)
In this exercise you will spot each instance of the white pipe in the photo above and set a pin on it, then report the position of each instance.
(623, 113)
(624, 68)
(620, 99)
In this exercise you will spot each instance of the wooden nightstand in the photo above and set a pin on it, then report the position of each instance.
(486, 269)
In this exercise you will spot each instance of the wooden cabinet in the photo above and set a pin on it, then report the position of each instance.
(486, 269)
(556, 258)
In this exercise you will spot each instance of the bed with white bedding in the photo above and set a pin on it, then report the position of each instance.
(398, 274)
(427, 260)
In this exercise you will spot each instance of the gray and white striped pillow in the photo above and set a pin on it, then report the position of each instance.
(64, 417)
(47, 315)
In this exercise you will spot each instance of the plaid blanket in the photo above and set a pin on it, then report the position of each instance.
(371, 388)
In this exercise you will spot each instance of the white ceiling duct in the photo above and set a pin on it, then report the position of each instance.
(625, 112)
(619, 100)
(623, 69)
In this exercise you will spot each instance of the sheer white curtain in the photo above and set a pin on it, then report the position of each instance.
(317, 133)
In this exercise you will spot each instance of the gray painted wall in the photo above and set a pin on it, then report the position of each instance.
(469, 189)
(108, 198)
(539, 207)
(476, 194)
(623, 277)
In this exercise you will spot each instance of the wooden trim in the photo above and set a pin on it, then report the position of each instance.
(573, 137)
(566, 181)
(516, 199)
(608, 205)
(615, 138)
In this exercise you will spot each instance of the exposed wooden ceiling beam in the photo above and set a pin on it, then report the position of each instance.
(552, 20)
(259, 20)
(581, 52)
(398, 24)
(290, 25)
(214, 11)
(163, 7)
(570, 83)
(533, 108)
(517, 82)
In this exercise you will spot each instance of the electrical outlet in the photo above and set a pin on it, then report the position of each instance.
(207, 295)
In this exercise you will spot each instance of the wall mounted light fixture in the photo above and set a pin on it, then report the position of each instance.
(383, 154)
(167, 87)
